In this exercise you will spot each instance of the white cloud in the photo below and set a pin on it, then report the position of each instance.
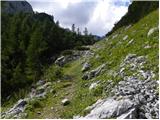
(99, 17)
(105, 15)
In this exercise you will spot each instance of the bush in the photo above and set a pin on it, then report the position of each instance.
(82, 48)
(53, 73)
(67, 52)
(35, 104)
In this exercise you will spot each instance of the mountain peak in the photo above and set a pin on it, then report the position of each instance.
(16, 6)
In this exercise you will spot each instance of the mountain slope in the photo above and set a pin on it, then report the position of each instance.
(121, 70)
(136, 11)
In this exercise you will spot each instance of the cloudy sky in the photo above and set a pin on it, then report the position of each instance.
(98, 16)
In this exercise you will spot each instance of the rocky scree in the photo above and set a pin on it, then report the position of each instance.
(134, 97)
(61, 61)
(41, 89)
(93, 73)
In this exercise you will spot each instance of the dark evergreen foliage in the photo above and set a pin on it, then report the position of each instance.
(29, 41)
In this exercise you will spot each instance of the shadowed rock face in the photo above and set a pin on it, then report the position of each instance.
(16, 6)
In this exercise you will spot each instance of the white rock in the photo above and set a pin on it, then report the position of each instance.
(125, 37)
(77, 117)
(93, 85)
(114, 36)
(131, 114)
(65, 101)
(128, 27)
(147, 47)
(40, 82)
(85, 66)
(151, 31)
(97, 56)
(109, 108)
(130, 42)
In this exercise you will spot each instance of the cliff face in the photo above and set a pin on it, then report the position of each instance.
(16, 6)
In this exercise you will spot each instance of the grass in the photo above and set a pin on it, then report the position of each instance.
(113, 53)
(74, 89)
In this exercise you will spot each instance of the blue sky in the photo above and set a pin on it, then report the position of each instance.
(98, 16)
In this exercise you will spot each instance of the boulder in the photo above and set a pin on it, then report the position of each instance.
(60, 60)
(65, 102)
(67, 58)
(97, 71)
(109, 108)
(18, 108)
(40, 82)
(40, 90)
(88, 54)
(85, 67)
(20, 104)
(85, 76)
(93, 73)
(130, 114)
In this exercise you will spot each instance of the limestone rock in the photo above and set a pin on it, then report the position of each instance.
(60, 60)
(125, 37)
(109, 108)
(93, 85)
(132, 97)
(40, 82)
(151, 31)
(93, 73)
(65, 102)
(130, 114)
(130, 42)
(85, 67)
(147, 47)
(113, 37)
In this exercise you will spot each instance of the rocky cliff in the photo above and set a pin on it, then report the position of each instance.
(16, 6)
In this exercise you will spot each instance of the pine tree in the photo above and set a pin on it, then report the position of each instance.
(36, 47)
(85, 31)
(78, 31)
(73, 27)
(57, 23)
